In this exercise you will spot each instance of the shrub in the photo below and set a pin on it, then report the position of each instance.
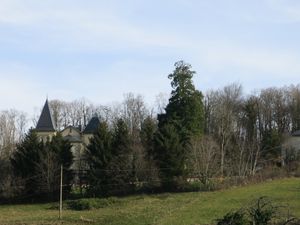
(199, 186)
(272, 172)
(262, 212)
(91, 203)
(81, 204)
(234, 218)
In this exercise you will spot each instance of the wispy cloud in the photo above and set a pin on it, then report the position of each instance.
(79, 28)
(106, 48)
(277, 62)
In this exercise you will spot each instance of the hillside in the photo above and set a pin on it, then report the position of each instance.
(162, 209)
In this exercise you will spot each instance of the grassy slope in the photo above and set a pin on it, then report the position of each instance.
(184, 208)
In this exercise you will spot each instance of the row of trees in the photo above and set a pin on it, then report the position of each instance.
(12, 130)
(36, 167)
(223, 133)
(250, 130)
(31, 168)
(77, 113)
(152, 152)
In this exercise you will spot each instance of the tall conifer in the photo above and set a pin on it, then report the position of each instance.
(99, 156)
(183, 119)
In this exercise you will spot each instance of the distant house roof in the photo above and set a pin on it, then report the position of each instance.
(92, 126)
(296, 133)
(45, 122)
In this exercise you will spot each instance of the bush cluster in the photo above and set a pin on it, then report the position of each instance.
(91, 203)
(262, 212)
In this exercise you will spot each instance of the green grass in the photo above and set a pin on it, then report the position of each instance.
(162, 209)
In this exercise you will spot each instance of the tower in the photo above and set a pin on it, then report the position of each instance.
(90, 129)
(45, 128)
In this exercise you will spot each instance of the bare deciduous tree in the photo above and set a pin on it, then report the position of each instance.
(204, 158)
(161, 102)
(223, 106)
(13, 124)
(12, 128)
(134, 112)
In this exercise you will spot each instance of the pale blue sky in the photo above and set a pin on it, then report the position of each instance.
(100, 50)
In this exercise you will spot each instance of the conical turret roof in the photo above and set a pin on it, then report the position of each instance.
(92, 125)
(45, 122)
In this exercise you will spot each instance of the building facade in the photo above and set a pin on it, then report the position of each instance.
(78, 138)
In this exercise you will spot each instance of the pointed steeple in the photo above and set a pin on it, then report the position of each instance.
(45, 122)
(92, 125)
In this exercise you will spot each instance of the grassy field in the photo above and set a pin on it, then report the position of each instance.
(162, 209)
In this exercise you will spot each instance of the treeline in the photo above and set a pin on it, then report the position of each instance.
(188, 139)
(249, 131)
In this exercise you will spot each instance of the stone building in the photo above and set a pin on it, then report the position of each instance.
(78, 138)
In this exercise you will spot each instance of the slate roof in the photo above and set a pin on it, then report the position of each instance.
(296, 133)
(92, 125)
(45, 122)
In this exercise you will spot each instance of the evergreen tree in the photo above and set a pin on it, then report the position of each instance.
(148, 130)
(109, 157)
(61, 150)
(184, 118)
(25, 160)
(185, 105)
(149, 172)
(121, 164)
(170, 156)
(271, 145)
(121, 139)
(99, 156)
(38, 165)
